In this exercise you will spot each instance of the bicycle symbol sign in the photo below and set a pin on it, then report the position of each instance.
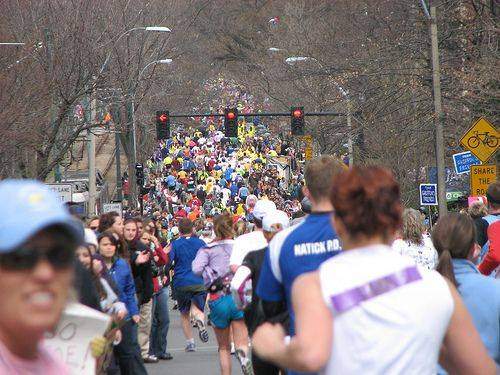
(481, 139)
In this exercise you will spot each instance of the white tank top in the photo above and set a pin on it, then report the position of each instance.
(390, 315)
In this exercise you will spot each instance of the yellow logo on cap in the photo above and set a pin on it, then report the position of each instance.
(35, 198)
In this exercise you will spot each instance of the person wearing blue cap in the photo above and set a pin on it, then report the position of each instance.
(38, 238)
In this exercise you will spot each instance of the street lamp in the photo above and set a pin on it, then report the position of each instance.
(293, 59)
(161, 29)
(134, 139)
(90, 135)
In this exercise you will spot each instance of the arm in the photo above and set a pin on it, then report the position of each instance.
(200, 262)
(492, 258)
(129, 291)
(309, 349)
(462, 351)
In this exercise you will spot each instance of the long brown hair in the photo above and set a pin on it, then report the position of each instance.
(223, 226)
(453, 237)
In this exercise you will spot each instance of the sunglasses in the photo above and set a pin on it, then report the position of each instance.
(93, 228)
(23, 259)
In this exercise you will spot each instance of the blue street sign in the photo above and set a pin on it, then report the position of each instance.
(428, 195)
(463, 161)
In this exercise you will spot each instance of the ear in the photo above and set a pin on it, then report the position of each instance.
(306, 192)
(475, 252)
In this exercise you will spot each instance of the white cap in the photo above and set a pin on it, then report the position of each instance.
(275, 217)
(90, 237)
(262, 208)
(174, 231)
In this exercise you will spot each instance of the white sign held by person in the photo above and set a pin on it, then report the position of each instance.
(79, 324)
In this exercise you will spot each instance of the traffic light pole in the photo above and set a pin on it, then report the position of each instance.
(263, 114)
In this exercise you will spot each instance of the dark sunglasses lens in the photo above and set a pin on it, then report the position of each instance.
(21, 259)
(25, 259)
(60, 257)
(93, 228)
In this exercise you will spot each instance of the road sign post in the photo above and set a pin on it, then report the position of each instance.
(480, 177)
(428, 195)
(481, 139)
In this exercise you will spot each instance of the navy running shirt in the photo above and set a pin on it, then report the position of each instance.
(294, 251)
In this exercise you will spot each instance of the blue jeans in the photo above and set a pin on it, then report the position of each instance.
(160, 323)
(128, 353)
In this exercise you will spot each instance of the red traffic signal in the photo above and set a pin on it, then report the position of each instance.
(298, 113)
(230, 115)
(163, 117)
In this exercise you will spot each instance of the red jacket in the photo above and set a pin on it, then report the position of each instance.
(492, 258)
(163, 260)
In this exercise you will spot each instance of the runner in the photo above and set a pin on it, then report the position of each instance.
(38, 239)
(212, 262)
(414, 242)
(272, 223)
(454, 238)
(303, 247)
(254, 240)
(390, 316)
(188, 287)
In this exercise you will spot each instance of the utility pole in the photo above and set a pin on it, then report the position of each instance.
(91, 158)
(438, 112)
(349, 129)
(119, 191)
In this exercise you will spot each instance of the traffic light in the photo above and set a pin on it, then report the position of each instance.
(139, 174)
(162, 125)
(297, 114)
(231, 122)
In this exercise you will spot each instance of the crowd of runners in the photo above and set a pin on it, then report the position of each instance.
(312, 268)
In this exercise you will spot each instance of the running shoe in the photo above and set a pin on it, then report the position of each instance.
(190, 347)
(202, 331)
(245, 362)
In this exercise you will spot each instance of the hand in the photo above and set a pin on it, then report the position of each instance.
(120, 315)
(97, 267)
(136, 319)
(118, 337)
(97, 346)
(268, 339)
(142, 258)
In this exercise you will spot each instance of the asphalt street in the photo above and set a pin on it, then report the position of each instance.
(204, 361)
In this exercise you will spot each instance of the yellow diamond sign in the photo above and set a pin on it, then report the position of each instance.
(481, 139)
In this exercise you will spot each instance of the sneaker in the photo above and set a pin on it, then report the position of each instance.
(233, 349)
(167, 356)
(245, 362)
(190, 347)
(202, 331)
(150, 359)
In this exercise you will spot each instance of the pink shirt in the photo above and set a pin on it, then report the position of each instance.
(45, 363)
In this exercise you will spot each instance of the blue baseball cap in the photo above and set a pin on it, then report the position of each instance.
(28, 206)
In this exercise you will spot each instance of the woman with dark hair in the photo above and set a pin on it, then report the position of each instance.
(128, 351)
(212, 262)
(140, 262)
(390, 315)
(111, 221)
(454, 239)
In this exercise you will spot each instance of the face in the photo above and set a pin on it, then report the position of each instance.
(117, 226)
(145, 238)
(106, 248)
(33, 299)
(139, 226)
(83, 255)
(94, 224)
(130, 231)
